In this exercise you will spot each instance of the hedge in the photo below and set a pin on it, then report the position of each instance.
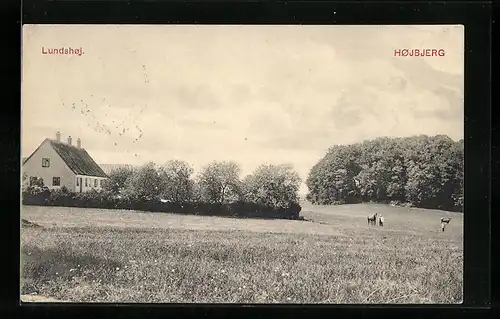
(105, 201)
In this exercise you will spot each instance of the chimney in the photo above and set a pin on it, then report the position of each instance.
(78, 143)
(69, 140)
(58, 136)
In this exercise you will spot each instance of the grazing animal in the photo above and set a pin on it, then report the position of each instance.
(372, 220)
(381, 220)
(444, 222)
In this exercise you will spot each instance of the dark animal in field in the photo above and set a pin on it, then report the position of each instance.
(381, 220)
(444, 222)
(372, 220)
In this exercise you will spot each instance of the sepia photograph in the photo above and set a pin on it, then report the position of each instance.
(245, 164)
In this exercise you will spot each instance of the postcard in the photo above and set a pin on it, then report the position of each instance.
(256, 164)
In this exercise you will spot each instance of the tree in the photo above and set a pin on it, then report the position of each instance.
(219, 182)
(175, 181)
(333, 178)
(144, 184)
(197, 193)
(382, 177)
(322, 189)
(275, 186)
(35, 188)
(457, 153)
(368, 183)
(431, 172)
(24, 182)
(117, 180)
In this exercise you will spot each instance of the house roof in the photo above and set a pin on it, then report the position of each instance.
(77, 159)
(108, 168)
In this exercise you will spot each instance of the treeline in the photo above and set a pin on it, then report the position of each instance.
(271, 191)
(420, 171)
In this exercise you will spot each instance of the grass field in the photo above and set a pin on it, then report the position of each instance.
(90, 255)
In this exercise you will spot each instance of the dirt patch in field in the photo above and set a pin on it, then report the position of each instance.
(62, 262)
(27, 223)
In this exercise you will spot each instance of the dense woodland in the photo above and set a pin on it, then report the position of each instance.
(421, 171)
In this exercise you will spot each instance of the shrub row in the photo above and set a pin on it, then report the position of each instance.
(104, 200)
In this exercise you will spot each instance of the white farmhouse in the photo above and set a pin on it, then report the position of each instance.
(64, 164)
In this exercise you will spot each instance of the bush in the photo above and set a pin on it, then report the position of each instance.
(59, 197)
(35, 193)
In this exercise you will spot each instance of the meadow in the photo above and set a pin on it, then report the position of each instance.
(92, 255)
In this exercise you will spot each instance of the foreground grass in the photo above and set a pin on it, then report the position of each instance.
(117, 264)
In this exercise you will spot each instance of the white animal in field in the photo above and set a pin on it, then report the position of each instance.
(444, 222)
(381, 220)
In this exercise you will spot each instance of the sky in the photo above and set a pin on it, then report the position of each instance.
(250, 94)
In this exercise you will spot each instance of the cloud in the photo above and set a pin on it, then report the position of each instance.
(197, 97)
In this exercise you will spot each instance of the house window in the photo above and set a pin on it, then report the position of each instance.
(45, 162)
(86, 182)
(56, 181)
(95, 182)
(77, 181)
(100, 183)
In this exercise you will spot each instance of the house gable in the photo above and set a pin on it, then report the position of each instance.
(57, 167)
